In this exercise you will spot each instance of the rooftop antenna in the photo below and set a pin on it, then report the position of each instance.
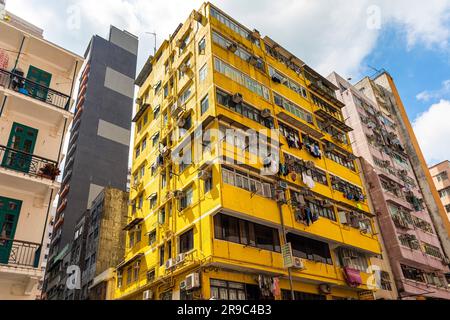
(154, 48)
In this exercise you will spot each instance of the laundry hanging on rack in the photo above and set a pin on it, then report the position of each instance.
(308, 180)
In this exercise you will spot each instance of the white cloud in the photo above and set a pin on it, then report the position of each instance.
(433, 132)
(328, 34)
(436, 94)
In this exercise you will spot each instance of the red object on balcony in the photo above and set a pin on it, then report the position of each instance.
(353, 277)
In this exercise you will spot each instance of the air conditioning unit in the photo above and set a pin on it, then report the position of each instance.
(266, 113)
(253, 60)
(343, 217)
(309, 119)
(283, 185)
(147, 295)
(165, 152)
(193, 281)
(178, 194)
(204, 175)
(325, 288)
(298, 264)
(170, 264)
(330, 147)
(255, 34)
(180, 258)
(276, 79)
(179, 43)
(232, 47)
(138, 101)
(198, 16)
(237, 98)
(185, 68)
(176, 110)
(181, 122)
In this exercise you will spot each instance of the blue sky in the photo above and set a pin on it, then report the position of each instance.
(409, 38)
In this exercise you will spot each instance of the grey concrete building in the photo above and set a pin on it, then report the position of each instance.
(98, 150)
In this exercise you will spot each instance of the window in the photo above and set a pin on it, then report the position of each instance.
(136, 269)
(155, 139)
(203, 73)
(152, 238)
(181, 73)
(137, 152)
(233, 26)
(444, 193)
(142, 172)
(386, 281)
(184, 42)
(186, 160)
(156, 112)
(292, 136)
(301, 296)
(186, 241)
(119, 278)
(413, 273)
(129, 275)
(244, 109)
(241, 78)
(240, 51)
(202, 46)
(161, 256)
(185, 95)
(187, 199)
(247, 233)
(225, 290)
(208, 184)
(317, 208)
(287, 82)
(432, 250)
(353, 259)
(247, 182)
(151, 275)
(442, 176)
(157, 87)
(204, 104)
(162, 216)
(153, 200)
(135, 235)
(341, 159)
(163, 180)
(166, 91)
(292, 108)
(144, 144)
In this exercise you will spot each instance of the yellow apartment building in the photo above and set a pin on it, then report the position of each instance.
(244, 185)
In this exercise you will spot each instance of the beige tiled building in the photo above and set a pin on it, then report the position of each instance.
(441, 178)
(36, 86)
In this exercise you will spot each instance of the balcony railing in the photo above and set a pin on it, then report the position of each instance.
(22, 253)
(27, 163)
(35, 90)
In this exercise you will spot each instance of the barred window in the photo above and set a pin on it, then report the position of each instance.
(247, 182)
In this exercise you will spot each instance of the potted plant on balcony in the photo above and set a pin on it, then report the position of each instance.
(49, 171)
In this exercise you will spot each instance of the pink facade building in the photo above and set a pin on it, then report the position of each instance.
(411, 241)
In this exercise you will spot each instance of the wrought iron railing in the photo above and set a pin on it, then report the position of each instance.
(22, 253)
(27, 163)
(35, 90)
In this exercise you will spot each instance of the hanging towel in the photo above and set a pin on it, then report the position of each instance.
(308, 180)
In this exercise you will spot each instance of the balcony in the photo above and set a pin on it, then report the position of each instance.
(26, 172)
(22, 254)
(22, 85)
(29, 164)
